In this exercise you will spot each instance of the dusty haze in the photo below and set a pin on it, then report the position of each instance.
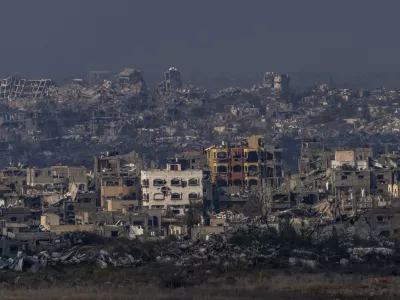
(205, 39)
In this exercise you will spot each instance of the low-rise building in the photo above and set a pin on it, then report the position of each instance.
(57, 178)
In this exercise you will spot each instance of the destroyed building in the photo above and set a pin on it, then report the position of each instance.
(172, 79)
(276, 81)
(117, 179)
(15, 87)
(133, 79)
(57, 178)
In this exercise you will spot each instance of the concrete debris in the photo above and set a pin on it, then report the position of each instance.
(74, 256)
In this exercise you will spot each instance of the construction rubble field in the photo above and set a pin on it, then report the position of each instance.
(252, 260)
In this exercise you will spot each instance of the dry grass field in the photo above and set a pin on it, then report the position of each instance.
(262, 286)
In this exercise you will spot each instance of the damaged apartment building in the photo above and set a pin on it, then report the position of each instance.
(131, 79)
(276, 81)
(64, 189)
(353, 178)
(246, 166)
(172, 80)
(117, 179)
(244, 163)
(174, 188)
(57, 178)
(15, 87)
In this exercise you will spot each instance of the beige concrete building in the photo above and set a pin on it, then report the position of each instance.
(57, 178)
(171, 188)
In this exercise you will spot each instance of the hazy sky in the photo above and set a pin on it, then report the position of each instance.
(61, 38)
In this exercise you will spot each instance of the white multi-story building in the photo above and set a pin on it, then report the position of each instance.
(172, 188)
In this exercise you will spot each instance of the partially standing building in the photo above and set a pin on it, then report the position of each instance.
(173, 188)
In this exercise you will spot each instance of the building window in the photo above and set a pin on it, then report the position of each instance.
(252, 156)
(13, 219)
(176, 196)
(158, 182)
(380, 219)
(253, 182)
(193, 182)
(344, 177)
(128, 182)
(176, 182)
(237, 169)
(70, 207)
(146, 196)
(221, 155)
(174, 167)
(380, 177)
(193, 196)
(237, 182)
(237, 155)
(222, 182)
(222, 169)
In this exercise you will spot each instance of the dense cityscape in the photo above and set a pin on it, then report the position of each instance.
(199, 150)
(108, 156)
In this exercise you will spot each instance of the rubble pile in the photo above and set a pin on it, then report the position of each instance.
(215, 252)
(74, 256)
(246, 246)
(250, 246)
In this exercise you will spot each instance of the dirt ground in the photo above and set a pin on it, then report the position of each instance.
(266, 284)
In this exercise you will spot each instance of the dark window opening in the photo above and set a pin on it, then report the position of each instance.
(13, 219)
(128, 182)
(114, 233)
(175, 182)
(344, 177)
(174, 168)
(222, 169)
(237, 182)
(193, 196)
(158, 182)
(385, 233)
(237, 169)
(221, 155)
(270, 156)
(222, 182)
(253, 182)
(176, 196)
(193, 182)
(252, 156)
